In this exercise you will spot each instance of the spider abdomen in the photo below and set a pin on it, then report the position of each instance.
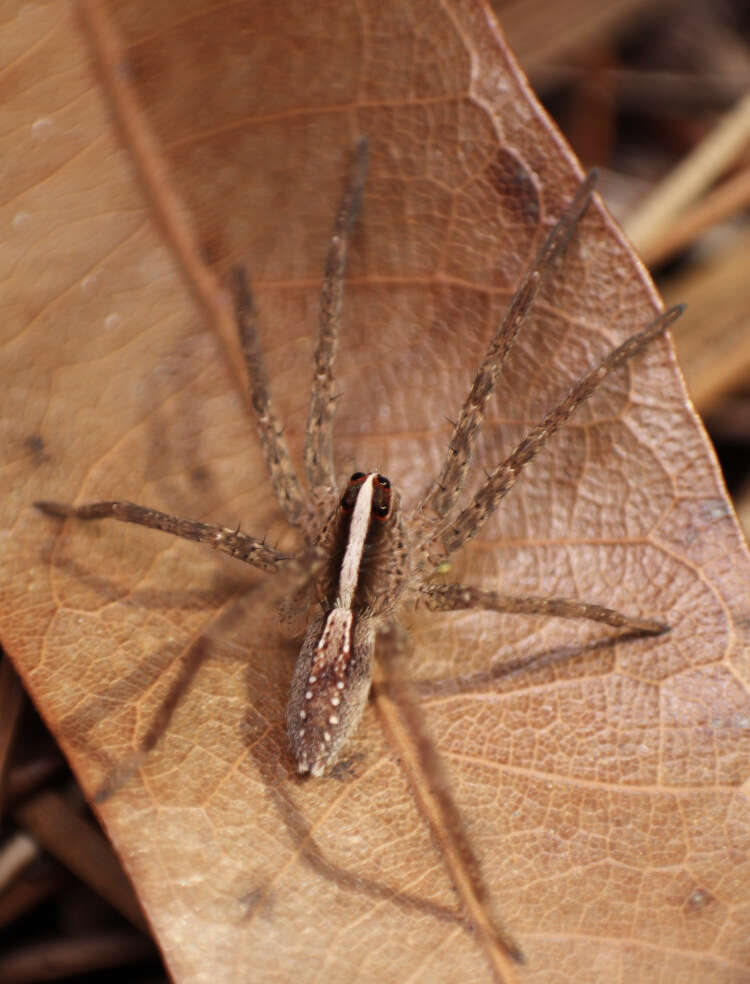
(329, 688)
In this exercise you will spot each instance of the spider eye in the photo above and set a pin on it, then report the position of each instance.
(352, 491)
(381, 499)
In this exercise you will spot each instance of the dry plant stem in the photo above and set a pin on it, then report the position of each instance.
(16, 853)
(54, 959)
(81, 848)
(669, 91)
(713, 341)
(454, 533)
(11, 705)
(26, 893)
(545, 33)
(690, 178)
(727, 200)
(448, 485)
(27, 777)
(742, 503)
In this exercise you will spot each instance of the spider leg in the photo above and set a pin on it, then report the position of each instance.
(446, 488)
(319, 435)
(278, 460)
(454, 597)
(245, 548)
(454, 532)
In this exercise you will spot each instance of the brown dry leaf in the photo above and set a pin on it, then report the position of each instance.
(604, 788)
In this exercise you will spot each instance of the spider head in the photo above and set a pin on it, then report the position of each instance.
(381, 495)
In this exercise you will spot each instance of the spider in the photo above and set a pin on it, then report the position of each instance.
(364, 559)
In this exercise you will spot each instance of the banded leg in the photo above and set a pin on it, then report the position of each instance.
(454, 597)
(245, 548)
(453, 533)
(278, 461)
(447, 486)
(319, 436)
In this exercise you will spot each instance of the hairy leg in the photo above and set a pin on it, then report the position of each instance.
(246, 548)
(454, 531)
(278, 461)
(446, 488)
(455, 597)
(319, 436)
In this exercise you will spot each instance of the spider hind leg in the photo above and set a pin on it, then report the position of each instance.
(457, 597)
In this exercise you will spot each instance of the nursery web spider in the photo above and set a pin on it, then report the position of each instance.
(364, 559)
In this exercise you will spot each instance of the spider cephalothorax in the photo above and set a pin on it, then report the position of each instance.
(365, 559)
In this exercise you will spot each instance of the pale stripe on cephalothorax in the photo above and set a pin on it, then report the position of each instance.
(336, 638)
(355, 546)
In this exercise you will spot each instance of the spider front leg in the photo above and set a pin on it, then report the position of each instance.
(446, 488)
(319, 431)
(278, 460)
(454, 530)
(319, 436)
(246, 548)
(318, 451)
(319, 470)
